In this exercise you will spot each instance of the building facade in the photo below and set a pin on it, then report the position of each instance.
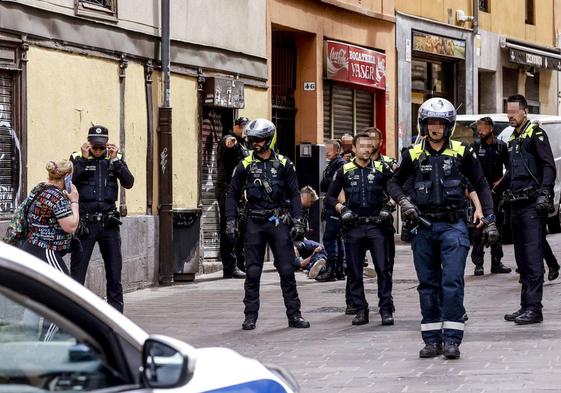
(331, 73)
(65, 64)
(476, 54)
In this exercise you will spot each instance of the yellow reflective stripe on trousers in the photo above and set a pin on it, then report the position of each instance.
(453, 325)
(431, 326)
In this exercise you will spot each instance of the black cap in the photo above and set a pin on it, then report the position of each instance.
(98, 135)
(241, 121)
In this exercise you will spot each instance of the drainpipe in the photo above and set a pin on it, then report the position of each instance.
(148, 69)
(122, 134)
(165, 186)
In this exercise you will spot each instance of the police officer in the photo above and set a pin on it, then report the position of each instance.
(364, 182)
(438, 167)
(530, 180)
(231, 150)
(269, 179)
(98, 169)
(391, 164)
(332, 240)
(493, 156)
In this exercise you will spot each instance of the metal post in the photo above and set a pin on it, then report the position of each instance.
(165, 186)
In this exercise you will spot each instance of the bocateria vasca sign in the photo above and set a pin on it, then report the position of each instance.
(354, 64)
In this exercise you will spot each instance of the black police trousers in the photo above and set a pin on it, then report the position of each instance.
(478, 249)
(359, 239)
(232, 255)
(257, 234)
(109, 241)
(528, 236)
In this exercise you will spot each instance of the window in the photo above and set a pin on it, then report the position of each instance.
(102, 9)
(9, 145)
(530, 17)
(484, 5)
(38, 354)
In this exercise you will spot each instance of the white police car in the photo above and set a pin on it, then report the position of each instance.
(56, 335)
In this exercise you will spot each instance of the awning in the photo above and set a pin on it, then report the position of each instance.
(529, 56)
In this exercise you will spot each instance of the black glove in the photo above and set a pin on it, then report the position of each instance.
(544, 202)
(232, 232)
(409, 211)
(347, 216)
(298, 230)
(385, 215)
(490, 233)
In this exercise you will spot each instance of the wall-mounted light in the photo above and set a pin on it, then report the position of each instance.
(461, 17)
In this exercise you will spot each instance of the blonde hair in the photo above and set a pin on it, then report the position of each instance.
(309, 190)
(59, 169)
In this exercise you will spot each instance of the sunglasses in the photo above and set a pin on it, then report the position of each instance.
(99, 147)
(253, 139)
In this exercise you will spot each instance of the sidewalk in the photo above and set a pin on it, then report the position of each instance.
(335, 357)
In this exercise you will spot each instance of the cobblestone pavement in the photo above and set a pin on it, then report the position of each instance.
(333, 356)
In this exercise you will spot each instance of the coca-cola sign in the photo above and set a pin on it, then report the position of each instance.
(353, 64)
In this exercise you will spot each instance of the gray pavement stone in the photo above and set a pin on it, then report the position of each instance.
(335, 357)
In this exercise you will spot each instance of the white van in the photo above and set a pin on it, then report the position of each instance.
(551, 125)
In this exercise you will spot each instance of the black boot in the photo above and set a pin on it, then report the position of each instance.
(387, 317)
(511, 317)
(498, 267)
(431, 350)
(235, 273)
(249, 323)
(529, 317)
(451, 351)
(361, 317)
(553, 273)
(328, 274)
(298, 322)
(478, 271)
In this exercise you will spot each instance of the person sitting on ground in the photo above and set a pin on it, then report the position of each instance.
(310, 257)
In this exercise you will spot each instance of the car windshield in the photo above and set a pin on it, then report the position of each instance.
(37, 355)
(464, 131)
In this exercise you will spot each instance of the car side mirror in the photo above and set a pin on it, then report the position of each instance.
(166, 363)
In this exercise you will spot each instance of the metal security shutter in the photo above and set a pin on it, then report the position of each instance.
(342, 110)
(8, 169)
(326, 111)
(364, 109)
(211, 133)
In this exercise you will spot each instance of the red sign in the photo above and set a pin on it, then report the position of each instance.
(353, 64)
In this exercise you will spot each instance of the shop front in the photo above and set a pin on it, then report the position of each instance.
(529, 70)
(354, 89)
(434, 60)
(221, 100)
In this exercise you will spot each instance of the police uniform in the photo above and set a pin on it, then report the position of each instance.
(97, 181)
(493, 157)
(438, 190)
(389, 229)
(232, 255)
(364, 196)
(267, 184)
(531, 171)
(332, 240)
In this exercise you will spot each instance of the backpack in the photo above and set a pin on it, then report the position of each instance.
(17, 230)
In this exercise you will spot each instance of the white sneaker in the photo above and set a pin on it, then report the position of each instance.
(369, 272)
(316, 269)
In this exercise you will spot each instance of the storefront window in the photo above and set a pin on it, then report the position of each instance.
(429, 78)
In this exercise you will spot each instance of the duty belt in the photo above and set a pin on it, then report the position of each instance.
(260, 214)
(369, 220)
(100, 217)
(525, 195)
(446, 216)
